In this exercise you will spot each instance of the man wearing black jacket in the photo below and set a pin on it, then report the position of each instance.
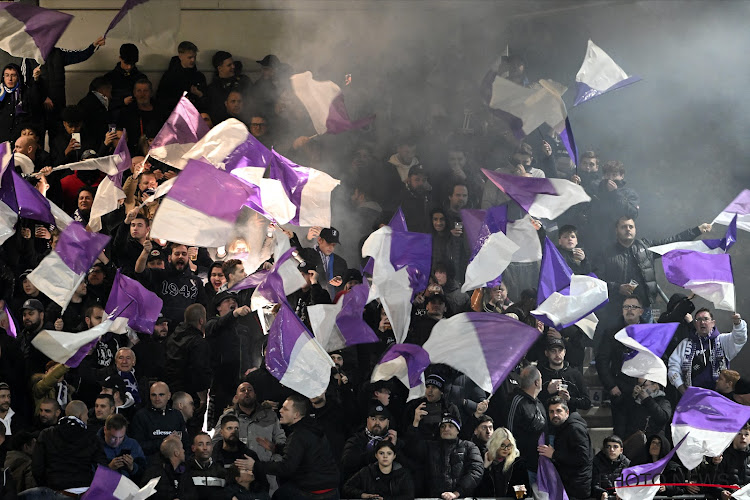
(182, 76)
(152, 424)
(560, 379)
(526, 417)
(308, 468)
(359, 450)
(571, 450)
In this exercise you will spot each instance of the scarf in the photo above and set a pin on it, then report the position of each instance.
(699, 345)
(5, 90)
(72, 422)
(373, 440)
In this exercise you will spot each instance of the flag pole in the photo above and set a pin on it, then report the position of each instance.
(312, 137)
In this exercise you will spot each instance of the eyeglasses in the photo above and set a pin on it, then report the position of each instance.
(631, 308)
(506, 446)
(703, 319)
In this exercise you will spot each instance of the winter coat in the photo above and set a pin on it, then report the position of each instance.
(609, 360)
(573, 455)
(579, 394)
(651, 415)
(234, 490)
(357, 454)
(66, 455)
(398, 485)
(605, 471)
(150, 426)
(449, 465)
(188, 356)
(234, 348)
(262, 423)
(526, 421)
(173, 483)
(122, 85)
(429, 426)
(133, 449)
(499, 483)
(209, 479)
(18, 465)
(177, 80)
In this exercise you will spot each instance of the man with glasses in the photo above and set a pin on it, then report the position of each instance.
(699, 359)
(609, 357)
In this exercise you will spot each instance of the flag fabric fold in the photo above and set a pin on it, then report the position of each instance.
(536, 105)
(599, 74)
(641, 482)
(11, 331)
(283, 279)
(704, 246)
(30, 31)
(341, 325)
(484, 346)
(308, 189)
(109, 484)
(324, 102)
(709, 421)
(182, 130)
(647, 342)
(129, 299)
(540, 197)
(153, 23)
(109, 192)
(740, 207)
(406, 362)
(548, 483)
(491, 249)
(743, 493)
(202, 206)
(707, 275)
(70, 348)
(60, 272)
(397, 223)
(294, 357)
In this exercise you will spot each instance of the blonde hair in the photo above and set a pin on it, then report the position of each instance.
(493, 445)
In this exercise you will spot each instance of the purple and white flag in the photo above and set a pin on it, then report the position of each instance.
(599, 74)
(548, 483)
(109, 484)
(491, 249)
(647, 342)
(484, 346)
(536, 105)
(642, 482)
(707, 275)
(30, 31)
(524, 234)
(740, 207)
(153, 23)
(71, 348)
(540, 197)
(106, 164)
(109, 192)
(341, 325)
(709, 420)
(743, 493)
(129, 299)
(60, 273)
(324, 101)
(565, 298)
(11, 331)
(397, 223)
(202, 207)
(401, 269)
(182, 130)
(406, 362)
(283, 279)
(308, 189)
(294, 357)
(705, 246)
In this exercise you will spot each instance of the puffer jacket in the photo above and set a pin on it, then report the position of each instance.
(451, 465)
(397, 485)
(263, 423)
(573, 455)
(605, 471)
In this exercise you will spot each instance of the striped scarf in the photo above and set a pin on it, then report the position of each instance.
(716, 351)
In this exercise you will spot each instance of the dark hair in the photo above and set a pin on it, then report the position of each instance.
(186, 47)
(87, 189)
(453, 187)
(141, 215)
(21, 439)
(90, 310)
(129, 53)
(228, 418)
(299, 403)
(228, 266)
(219, 57)
(72, 115)
(613, 167)
(193, 313)
(557, 400)
(145, 80)
(590, 154)
(567, 228)
(201, 433)
(629, 297)
(385, 444)
(218, 264)
(704, 309)
(115, 422)
(623, 218)
(99, 83)
(484, 418)
(109, 397)
(612, 438)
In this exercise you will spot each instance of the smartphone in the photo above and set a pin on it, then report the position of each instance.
(112, 127)
(123, 452)
(76, 136)
(459, 225)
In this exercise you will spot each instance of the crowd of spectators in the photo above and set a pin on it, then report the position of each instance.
(141, 404)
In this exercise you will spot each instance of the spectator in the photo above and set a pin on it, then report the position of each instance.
(405, 157)
(655, 448)
(140, 119)
(18, 460)
(560, 379)
(183, 402)
(96, 114)
(690, 365)
(229, 451)
(221, 85)
(491, 299)
(123, 453)
(49, 413)
(123, 78)
(526, 417)
(456, 300)
(652, 411)
(18, 99)
(7, 413)
(209, 477)
(181, 76)
(483, 432)
(426, 413)
(567, 244)
(51, 385)
(734, 462)
(104, 406)
(331, 268)
(174, 479)
(415, 199)
(505, 469)
(607, 467)
(33, 323)
(243, 486)
(385, 478)
(155, 422)
(360, 449)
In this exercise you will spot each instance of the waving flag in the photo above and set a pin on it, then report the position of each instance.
(647, 343)
(106, 164)
(743, 493)
(30, 31)
(401, 269)
(704, 246)
(541, 198)
(565, 298)
(397, 223)
(71, 348)
(60, 273)
(484, 346)
(294, 357)
(152, 23)
(709, 421)
(548, 483)
(129, 299)
(707, 275)
(109, 484)
(11, 331)
(284, 279)
(340, 325)
(324, 101)
(308, 189)
(641, 482)
(523, 233)
(739, 207)
(599, 74)
(406, 362)
(542, 103)
(491, 249)
(182, 130)
(109, 192)
(202, 206)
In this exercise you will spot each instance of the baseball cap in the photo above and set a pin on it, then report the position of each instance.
(330, 234)
(379, 409)
(553, 342)
(417, 169)
(25, 273)
(270, 60)
(155, 255)
(33, 304)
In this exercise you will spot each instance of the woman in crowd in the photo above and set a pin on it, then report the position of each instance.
(384, 479)
(504, 469)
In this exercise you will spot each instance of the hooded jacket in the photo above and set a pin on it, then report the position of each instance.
(573, 455)
(66, 455)
(605, 471)
(188, 355)
(262, 423)
(177, 80)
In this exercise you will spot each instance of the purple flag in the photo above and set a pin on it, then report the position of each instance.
(413, 251)
(555, 273)
(109, 484)
(485, 346)
(129, 299)
(11, 331)
(415, 359)
(78, 248)
(491, 250)
(548, 483)
(647, 343)
(639, 482)
(709, 420)
(126, 7)
(708, 275)
(740, 207)
(250, 153)
(125, 163)
(566, 136)
(23, 198)
(294, 357)
(340, 325)
(180, 132)
(250, 281)
(729, 239)
(281, 281)
(397, 223)
(75, 360)
(31, 31)
(599, 74)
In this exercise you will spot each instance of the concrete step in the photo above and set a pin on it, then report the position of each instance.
(597, 416)
(597, 435)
